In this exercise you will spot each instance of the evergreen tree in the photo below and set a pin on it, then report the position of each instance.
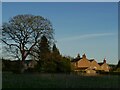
(55, 50)
(62, 63)
(44, 51)
(56, 57)
(44, 45)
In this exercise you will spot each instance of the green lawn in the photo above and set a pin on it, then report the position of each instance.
(11, 80)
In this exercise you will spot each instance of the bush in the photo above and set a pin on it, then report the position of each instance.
(64, 65)
(6, 65)
(117, 70)
(17, 67)
(49, 66)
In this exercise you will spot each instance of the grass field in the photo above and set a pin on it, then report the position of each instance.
(10, 80)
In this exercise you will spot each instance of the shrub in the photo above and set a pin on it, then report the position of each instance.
(64, 65)
(49, 66)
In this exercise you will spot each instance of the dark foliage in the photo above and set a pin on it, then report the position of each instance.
(118, 65)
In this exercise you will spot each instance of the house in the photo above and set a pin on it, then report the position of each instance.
(89, 66)
(82, 64)
(94, 65)
(30, 64)
(104, 66)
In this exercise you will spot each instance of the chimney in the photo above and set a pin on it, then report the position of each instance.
(104, 61)
(84, 56)
(78, 56)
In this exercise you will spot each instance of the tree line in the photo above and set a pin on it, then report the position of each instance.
(48, 60)
(32, 36)
(29, 36)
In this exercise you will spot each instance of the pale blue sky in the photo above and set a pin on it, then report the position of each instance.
(60, 0)
(90, 28)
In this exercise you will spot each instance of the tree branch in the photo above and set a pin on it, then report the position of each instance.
(10, 44)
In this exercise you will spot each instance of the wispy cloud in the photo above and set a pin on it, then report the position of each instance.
(86, 36)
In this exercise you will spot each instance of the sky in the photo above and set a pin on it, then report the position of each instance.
(60, 0)
(80, 27)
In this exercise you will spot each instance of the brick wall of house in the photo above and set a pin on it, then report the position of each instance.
(83, 63)
(95, 65)
(105, 67)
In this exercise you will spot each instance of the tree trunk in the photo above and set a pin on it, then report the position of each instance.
(24, 56)
(22, 63)
(22, 67)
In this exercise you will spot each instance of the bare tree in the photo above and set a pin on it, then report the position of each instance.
(23, 32)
